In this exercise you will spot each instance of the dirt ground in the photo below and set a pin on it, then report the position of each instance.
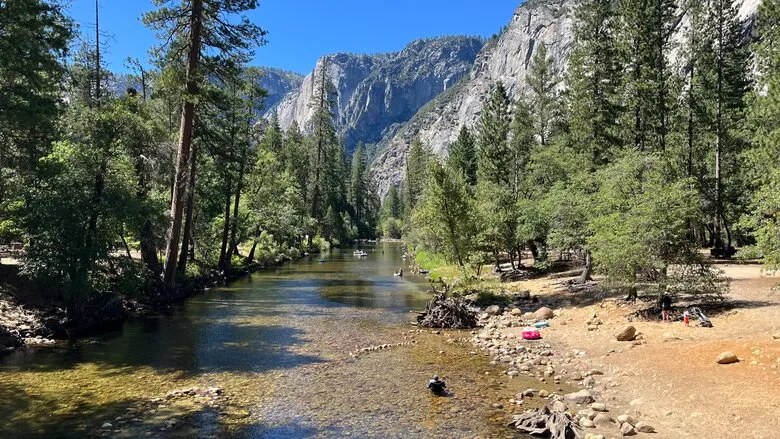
(670, 378)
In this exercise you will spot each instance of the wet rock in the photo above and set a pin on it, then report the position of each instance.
(106, 425)
(726, 358)
(644, 427)
(582, 397)
(626, 334)
(543, 313)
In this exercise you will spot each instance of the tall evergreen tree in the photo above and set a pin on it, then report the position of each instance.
(197, 28)
(645, 33)
(542, 80)
(494, 161)
(463, 155)
(593, 83)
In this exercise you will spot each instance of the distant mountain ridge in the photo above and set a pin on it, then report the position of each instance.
(378, 93)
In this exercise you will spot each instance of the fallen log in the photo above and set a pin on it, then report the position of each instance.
(546, 422)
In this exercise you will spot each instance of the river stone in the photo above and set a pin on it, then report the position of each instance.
(493, 310)
(543, 313)
(581, 397)
(627, 334)
(644, 427)
(106, 425)
(543, 393)
(517, 312)
(559, 406)
(626, 419)
(603, 420)
(627, 429)
(586, 423)
(599, 407)
(726, 358)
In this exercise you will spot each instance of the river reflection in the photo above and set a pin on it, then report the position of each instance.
(280, 343)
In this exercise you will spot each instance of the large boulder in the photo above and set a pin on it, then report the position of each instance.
(582, 397)
(543, 313)
(626, 334)
(726, 358)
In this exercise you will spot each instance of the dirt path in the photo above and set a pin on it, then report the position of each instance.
(669, 378)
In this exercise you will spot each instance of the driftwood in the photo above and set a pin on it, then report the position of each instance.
(447, 312)
(545, 422)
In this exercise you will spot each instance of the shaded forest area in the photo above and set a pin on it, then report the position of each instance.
(175, 181)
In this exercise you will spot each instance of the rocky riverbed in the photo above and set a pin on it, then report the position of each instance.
(566, 369)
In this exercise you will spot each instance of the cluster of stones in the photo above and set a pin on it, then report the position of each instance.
(384, 346)
(541, 361)
(210, 396)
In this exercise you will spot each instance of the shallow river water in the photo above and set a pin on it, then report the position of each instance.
(282, 344)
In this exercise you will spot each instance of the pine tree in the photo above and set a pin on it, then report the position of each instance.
(358, 190)
(463, 155)
(729, 70)
(196, 27)
(593, 83)
(645, 32)
(494, 160)
(323, 141)
(416, 173)
(542, 80)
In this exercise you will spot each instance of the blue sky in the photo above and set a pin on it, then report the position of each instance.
(300, 31)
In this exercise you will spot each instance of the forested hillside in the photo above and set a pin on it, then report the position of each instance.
(624, 161)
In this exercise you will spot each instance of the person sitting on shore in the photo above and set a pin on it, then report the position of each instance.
(437, 386)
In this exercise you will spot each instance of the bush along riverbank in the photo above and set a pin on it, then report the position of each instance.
(32, 315)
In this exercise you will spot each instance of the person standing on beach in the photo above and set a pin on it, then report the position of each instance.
(666, 305)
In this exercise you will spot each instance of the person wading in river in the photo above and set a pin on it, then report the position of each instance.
(437, 386)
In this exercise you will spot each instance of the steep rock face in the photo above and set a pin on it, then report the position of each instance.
(378, 93)
(278, 83)
(506, 59)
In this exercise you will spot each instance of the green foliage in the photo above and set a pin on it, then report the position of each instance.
(443, 220)
(641, 220)
(463, 156)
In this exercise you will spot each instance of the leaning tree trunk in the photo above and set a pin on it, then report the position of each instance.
(251, 258)
(588, 269)
(185, 142)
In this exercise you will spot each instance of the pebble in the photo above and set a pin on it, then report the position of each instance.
(627, 429)
(599, 407)
(586, 423)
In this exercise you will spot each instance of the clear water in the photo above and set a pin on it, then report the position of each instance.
(280, 343)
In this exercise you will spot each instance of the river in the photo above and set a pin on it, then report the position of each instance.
(282, 344)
